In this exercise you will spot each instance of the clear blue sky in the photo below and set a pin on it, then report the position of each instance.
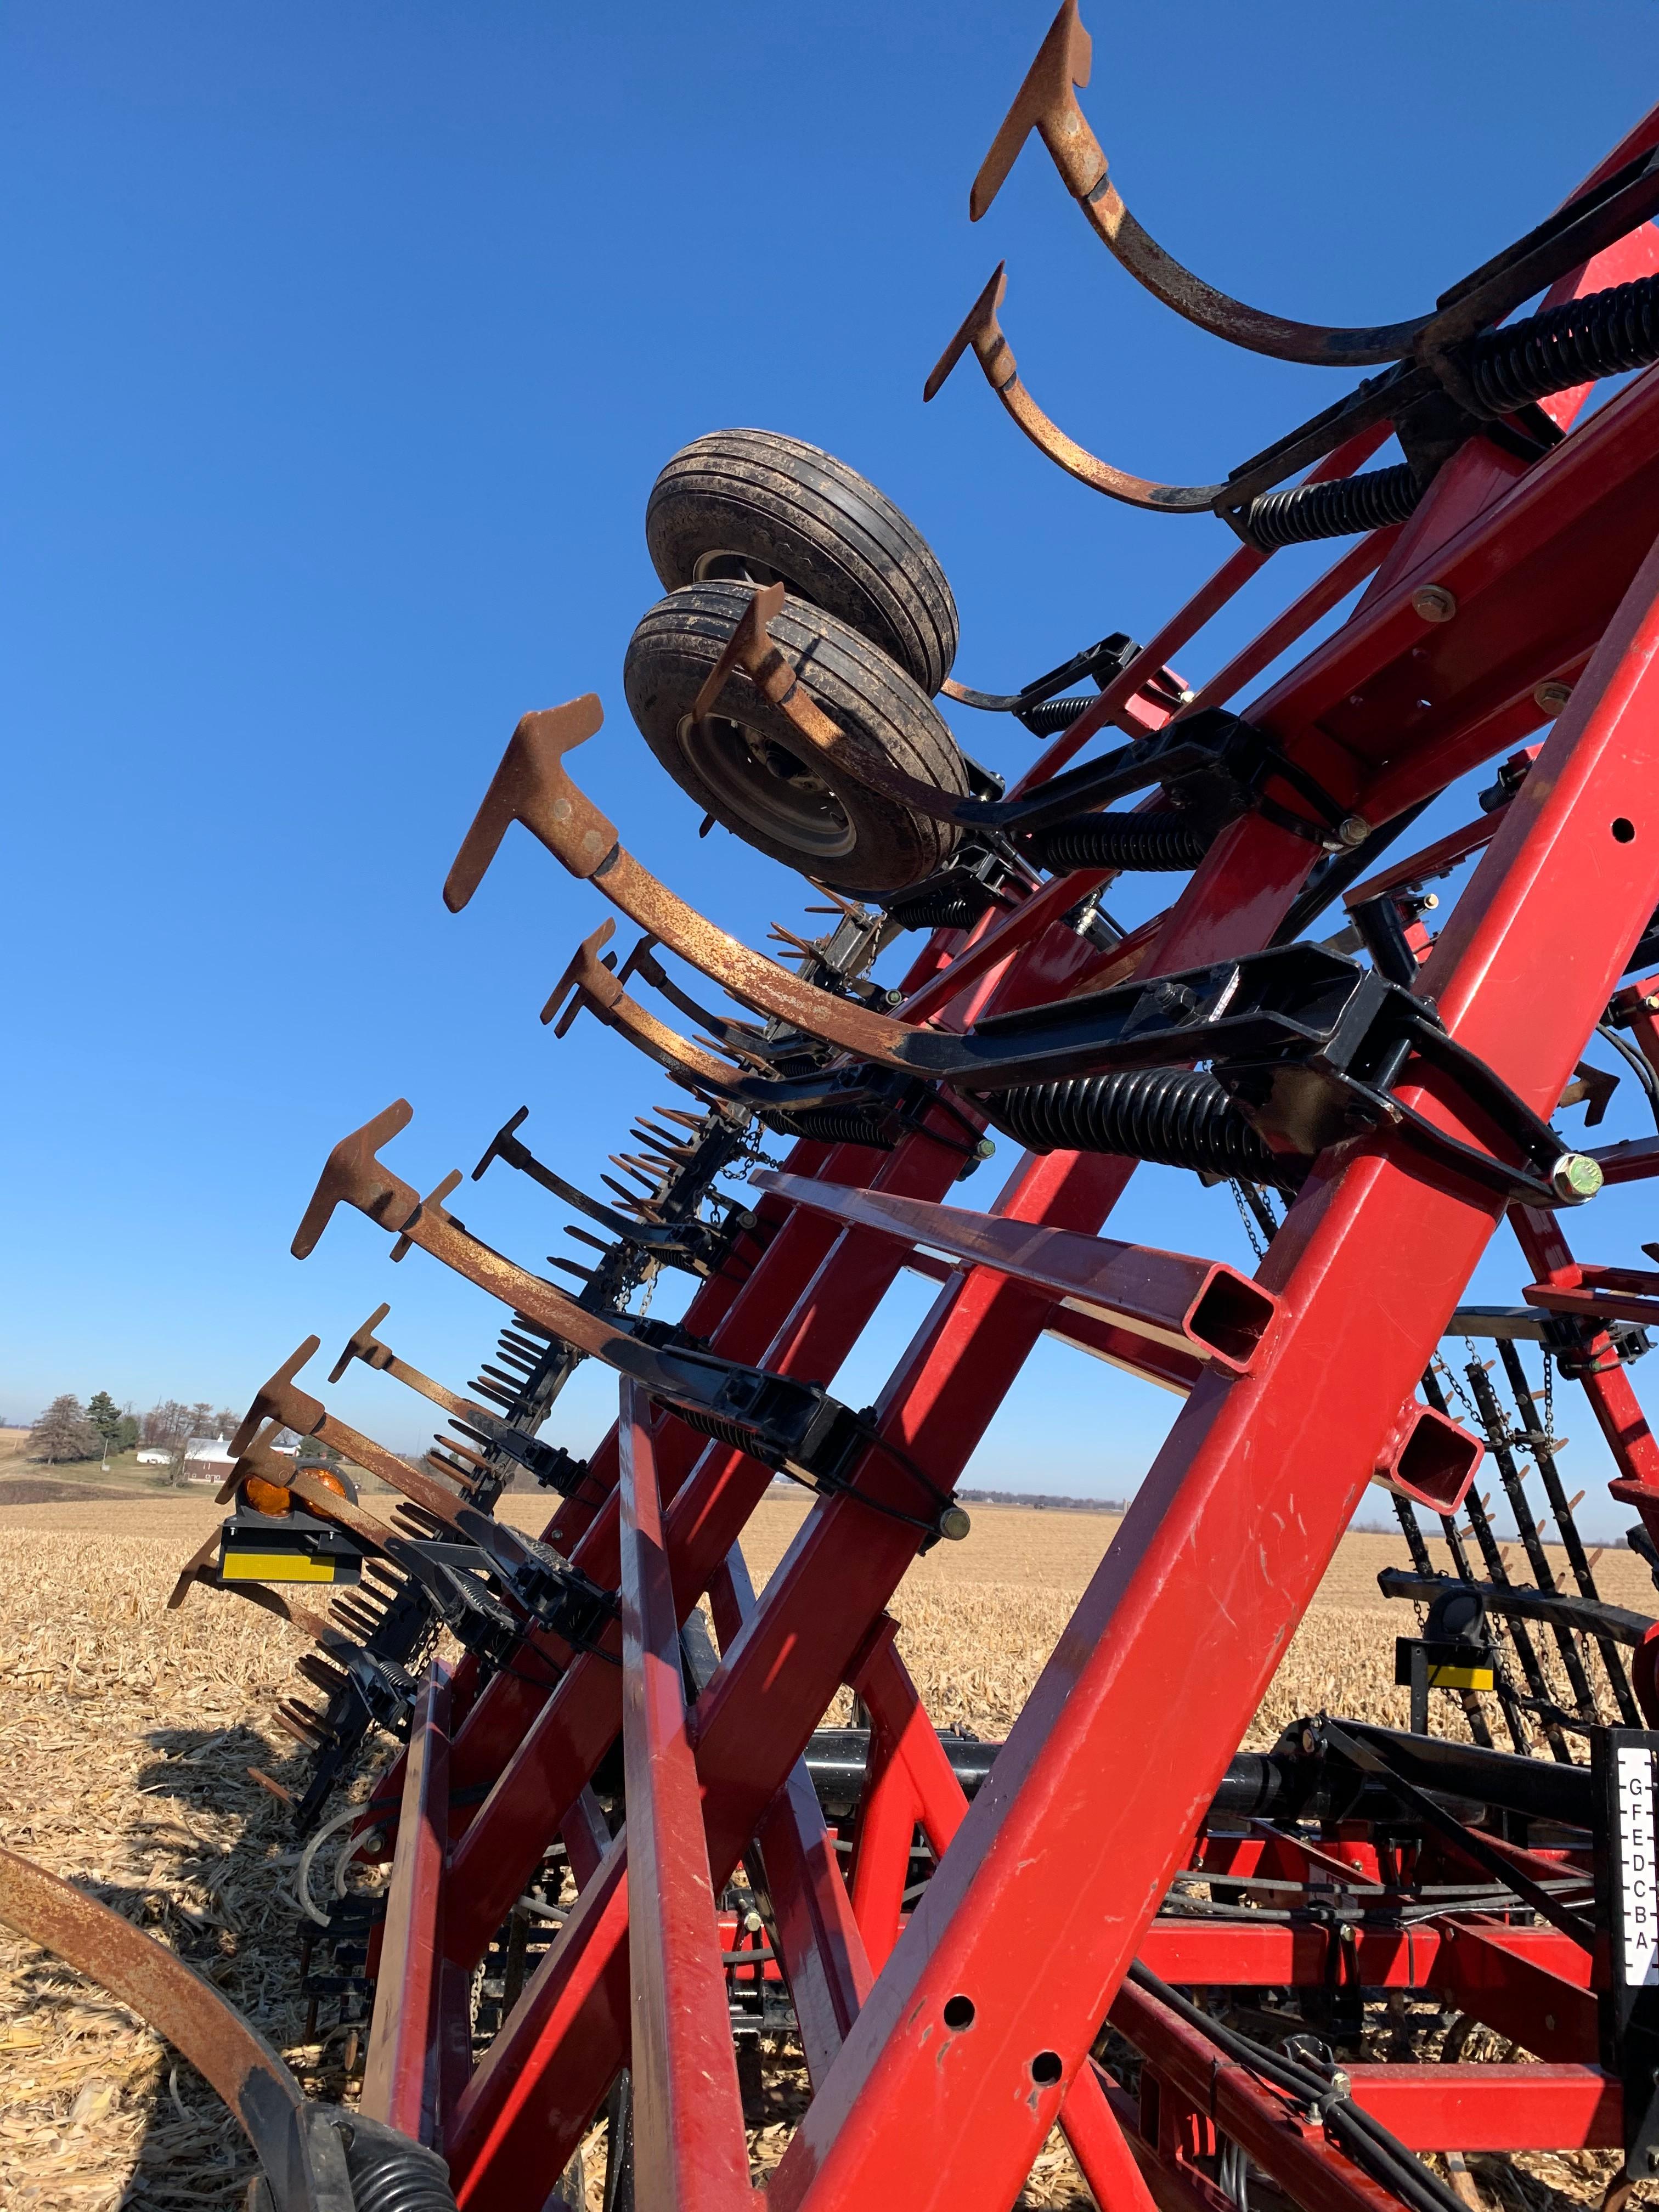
(346, 341)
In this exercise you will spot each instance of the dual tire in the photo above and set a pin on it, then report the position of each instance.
(869, 622)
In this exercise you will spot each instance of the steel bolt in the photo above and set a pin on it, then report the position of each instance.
(1553, 697)
(1575, 1178)
(1353, 829)
(954, 1524)
(987, 1145)
(1651, 1002)
(1434, 603)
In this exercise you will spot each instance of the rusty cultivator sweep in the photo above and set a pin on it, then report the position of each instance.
(627, 1868)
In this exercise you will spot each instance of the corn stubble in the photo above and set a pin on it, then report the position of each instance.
(126, 1737)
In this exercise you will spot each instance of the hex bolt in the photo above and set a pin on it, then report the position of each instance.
(1353, 829)
(1434, 603)
(1575, 1178)
(1551, 697)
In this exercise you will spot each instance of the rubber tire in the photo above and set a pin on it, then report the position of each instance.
(888, 846)
(790, 510)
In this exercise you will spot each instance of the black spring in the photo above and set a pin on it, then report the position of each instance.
(1149, 842)
(1053, 715)
(829, 1125)
(943, 908)
(1603, 334)
(396, 2177)
(723, 1431)
(1176, 1115)
(1341, 508)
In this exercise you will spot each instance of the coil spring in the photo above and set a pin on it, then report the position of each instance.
(396, 2178)
(1054, 715)
(1149, 842)
(1341, 508)
(723, 1431)
(943, 908)
(1601, 334)
(1178, 1117)
(829, 1125)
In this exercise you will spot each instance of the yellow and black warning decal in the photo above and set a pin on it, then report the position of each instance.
(1451, 1666)
(258, 1547)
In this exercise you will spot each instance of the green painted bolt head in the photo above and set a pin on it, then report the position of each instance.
(1576, 1177)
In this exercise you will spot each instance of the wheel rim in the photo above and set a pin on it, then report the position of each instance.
(725, 567)
(766, 786)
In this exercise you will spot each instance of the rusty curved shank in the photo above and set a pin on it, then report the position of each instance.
(292, 1407)
(306, 2163)
(532, 786)
(1047, 103)
(588, 982)
(982, 332)
(440, 1234)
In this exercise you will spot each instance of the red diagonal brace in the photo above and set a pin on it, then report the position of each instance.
(1233, 1526)
(401, 2083)
(690, 2151)
(1201, 1307)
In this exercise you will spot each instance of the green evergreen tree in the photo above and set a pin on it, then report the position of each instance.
(106, 1417)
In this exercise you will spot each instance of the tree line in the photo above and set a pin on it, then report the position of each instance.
(69, 1430)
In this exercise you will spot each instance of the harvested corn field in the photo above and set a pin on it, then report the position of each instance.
(127, 1731)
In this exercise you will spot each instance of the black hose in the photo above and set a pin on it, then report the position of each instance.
(1178, 1117)
(1365, 2139)
(1339, 508)
(1603, 334)
(1645, 1074)
(1152, 843)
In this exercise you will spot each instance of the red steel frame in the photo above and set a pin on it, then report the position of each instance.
(943, 2045)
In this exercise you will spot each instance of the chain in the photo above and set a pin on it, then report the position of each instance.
(1454, 1390)
(1256, 1244)
(1549, 1399)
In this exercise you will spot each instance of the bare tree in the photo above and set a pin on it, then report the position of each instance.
(64, 1432)
(165, 1423)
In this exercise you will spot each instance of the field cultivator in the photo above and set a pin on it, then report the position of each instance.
(618, 1865)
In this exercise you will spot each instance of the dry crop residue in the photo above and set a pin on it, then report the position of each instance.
(125, 1736)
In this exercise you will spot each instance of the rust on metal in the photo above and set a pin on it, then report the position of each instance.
(587, 983)
(364, 1344)
(1047, 103)
(532, 786)
(192, 2017)
(281, 1400)
(982, 332)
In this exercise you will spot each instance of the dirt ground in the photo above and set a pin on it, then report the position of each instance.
(126, 1733)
